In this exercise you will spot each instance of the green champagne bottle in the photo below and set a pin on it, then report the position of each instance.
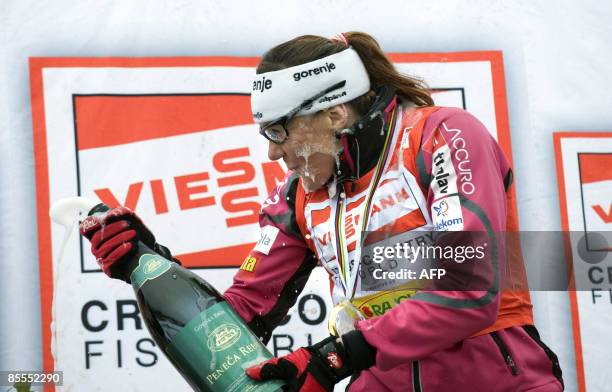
(198, 331)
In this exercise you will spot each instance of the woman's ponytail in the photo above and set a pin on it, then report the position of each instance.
(383, 72)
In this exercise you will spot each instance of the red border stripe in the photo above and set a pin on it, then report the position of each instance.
(575, 313)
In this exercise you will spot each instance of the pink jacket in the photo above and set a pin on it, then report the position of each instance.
(435, 341)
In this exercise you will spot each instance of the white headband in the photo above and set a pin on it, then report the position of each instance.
(276, 93)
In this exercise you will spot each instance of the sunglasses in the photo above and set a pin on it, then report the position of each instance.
(276, 131)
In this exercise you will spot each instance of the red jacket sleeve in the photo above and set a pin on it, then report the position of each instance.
(276, 270)
(463, 173)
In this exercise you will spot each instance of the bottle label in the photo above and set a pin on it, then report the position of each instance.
(150, 266)
(215, 348)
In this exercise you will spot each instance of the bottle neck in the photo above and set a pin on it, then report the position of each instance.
(127, 267)
(134, 261)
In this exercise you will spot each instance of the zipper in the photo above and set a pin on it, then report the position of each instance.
(416, 377)
(504, 352)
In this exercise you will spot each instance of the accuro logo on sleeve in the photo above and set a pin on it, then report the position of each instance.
(266, 240)
(461, 155)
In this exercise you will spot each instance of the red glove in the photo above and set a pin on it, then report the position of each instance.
(114, 236)
(319, 367)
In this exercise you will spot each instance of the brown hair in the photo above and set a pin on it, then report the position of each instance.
(381, 71)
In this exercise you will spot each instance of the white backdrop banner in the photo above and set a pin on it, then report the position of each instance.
(172, 138)
(584, 173)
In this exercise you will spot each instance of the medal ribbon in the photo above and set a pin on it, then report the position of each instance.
(348, 277)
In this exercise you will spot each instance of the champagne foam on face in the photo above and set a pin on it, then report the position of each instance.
(313, 144)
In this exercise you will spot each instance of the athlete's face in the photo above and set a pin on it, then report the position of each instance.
(312, 147)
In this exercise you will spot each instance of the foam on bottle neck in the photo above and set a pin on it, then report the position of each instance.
(66, 212)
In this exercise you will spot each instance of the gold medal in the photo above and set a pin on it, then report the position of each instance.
(343, 318)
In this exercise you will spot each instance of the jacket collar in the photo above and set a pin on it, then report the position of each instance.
(363, 142)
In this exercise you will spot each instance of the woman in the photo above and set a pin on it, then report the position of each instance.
(369, 153)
